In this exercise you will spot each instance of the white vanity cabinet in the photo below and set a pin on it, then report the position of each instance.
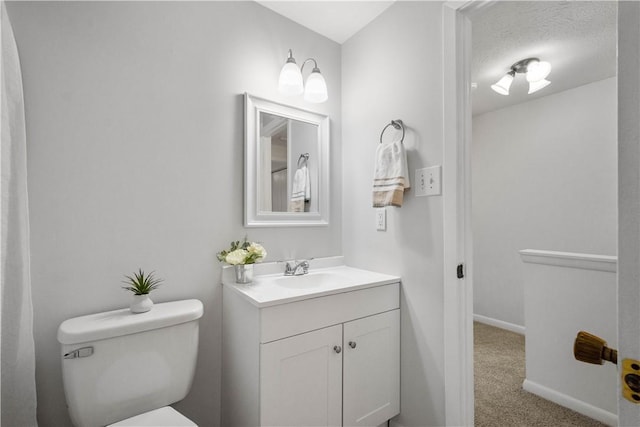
(301, 379)
(331, 360)
(371, 369)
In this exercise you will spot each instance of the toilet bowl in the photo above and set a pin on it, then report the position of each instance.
(124, 369)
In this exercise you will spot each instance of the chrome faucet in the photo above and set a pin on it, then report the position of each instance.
(294, 268)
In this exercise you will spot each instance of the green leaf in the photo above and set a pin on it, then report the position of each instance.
(141, 283)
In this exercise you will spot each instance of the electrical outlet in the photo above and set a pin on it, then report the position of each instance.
(381, 219)
(428, 181)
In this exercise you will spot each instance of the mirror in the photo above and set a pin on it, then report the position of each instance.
(286, 165)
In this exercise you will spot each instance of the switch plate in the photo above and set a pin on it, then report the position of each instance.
(381, 219)
(428, 182)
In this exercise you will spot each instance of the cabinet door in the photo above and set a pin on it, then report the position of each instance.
(371, 371)
(301, 379)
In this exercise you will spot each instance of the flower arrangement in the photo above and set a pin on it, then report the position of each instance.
(141, 283)
(241, 253)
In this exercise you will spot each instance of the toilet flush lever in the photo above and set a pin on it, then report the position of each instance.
(79, 352)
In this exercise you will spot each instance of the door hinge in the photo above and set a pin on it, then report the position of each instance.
(460, 271)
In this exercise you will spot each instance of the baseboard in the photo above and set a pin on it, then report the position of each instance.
(499, 324)
(571, 403)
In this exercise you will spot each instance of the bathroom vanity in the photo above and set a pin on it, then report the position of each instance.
(320, 349)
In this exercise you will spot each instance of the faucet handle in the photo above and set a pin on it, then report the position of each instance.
(288, 267)
(305, 266)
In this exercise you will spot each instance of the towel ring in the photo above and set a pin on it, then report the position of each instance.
(304, 157)
(397, 124)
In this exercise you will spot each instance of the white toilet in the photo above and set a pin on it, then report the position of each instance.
(123, 369)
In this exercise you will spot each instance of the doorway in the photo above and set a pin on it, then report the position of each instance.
(544, 178)
(458, 292)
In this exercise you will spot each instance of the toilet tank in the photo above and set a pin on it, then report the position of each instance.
(118, 364)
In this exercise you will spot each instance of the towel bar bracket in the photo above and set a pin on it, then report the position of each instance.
(304, 157)
(397, 125)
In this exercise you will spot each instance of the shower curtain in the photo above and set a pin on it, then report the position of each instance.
(18, 390)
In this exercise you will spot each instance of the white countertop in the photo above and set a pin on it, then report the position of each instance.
(326, 276)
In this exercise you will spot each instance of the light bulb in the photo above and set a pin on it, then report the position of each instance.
(503, 85)
(536, 86)
(537, 70)
(315, 89)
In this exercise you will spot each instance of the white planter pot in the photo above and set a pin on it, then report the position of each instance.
(141, 304)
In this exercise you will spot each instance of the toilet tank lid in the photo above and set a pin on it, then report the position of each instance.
(117, 323)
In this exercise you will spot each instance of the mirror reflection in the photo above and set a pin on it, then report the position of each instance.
(286, 165)
(289, 157)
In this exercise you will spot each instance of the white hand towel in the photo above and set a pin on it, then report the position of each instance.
(300, 191)
(391, 176)
(307, 186)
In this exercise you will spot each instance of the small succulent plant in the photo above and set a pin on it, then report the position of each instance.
(141, 283)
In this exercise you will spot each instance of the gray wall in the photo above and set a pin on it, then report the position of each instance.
(135, 141)
(392, 69)
(544, 177)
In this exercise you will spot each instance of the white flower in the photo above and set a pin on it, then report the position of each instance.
(236, 257)
(256, 248)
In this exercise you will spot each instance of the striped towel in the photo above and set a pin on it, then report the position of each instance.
(391, 176)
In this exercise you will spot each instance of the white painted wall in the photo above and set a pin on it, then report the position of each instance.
(135, 144)
(392, 69)
(563, 295)
(544, 176)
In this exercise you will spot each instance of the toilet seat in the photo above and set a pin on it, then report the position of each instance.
(162, 417)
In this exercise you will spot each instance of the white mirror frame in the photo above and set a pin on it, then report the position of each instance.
(253, 217)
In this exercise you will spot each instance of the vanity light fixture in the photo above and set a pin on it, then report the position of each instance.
(290, 81)
(535, 70)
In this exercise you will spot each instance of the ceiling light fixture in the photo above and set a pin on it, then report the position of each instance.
(290, 81)
(536, 72)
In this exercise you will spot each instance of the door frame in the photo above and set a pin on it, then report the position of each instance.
(628, 196)
(458, 293)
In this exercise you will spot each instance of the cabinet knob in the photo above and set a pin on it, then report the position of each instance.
(352, 344)
(337, 349)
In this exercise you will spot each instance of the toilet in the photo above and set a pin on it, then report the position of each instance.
(124, 369)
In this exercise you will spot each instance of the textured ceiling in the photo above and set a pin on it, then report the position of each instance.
(578, 38)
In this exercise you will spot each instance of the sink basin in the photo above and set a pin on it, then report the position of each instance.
(310, 280)
(326, 277)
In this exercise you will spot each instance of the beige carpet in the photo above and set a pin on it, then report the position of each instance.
(499, 398)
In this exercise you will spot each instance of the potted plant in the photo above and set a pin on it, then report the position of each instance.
(141, 284)
(242, 255)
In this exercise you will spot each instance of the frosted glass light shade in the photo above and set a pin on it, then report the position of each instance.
(290, 81)
(536, 86)
(315, 89)
(537, 70)
(503, 85)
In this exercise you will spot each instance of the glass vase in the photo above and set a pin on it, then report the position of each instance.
(244, 273)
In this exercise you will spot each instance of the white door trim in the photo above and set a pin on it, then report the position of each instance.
(458, 293)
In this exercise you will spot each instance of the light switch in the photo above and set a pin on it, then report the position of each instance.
(428, 181)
